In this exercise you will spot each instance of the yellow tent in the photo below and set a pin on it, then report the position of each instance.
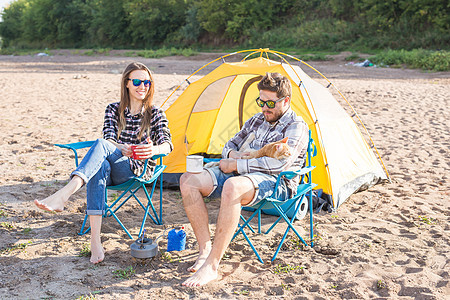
(212, 109)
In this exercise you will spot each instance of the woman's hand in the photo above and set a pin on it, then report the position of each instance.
(125, 149)
(144, 151)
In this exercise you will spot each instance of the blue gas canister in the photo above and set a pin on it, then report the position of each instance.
(176, 239)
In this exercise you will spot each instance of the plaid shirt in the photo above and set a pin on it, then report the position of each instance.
(159, 133)
(289, 125)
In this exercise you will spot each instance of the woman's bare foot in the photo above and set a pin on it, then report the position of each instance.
(203, 276)
(57, 201)
(202, 256)
(97, 251)
(54, 202)
(97, 254)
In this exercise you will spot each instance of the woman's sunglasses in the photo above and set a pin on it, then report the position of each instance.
(137, 82)
(269, 103)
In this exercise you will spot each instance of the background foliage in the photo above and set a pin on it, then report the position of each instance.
(332, 25)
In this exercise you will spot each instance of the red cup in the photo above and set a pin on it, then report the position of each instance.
(135, 155)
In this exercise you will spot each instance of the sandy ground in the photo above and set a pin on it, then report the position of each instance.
(389, 242)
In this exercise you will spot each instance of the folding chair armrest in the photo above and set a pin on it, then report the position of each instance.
(154, 157)
(207, 160)
(160, 156)
(292, 174)
(75, 146)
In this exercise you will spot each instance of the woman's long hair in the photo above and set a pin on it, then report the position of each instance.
(125, 99)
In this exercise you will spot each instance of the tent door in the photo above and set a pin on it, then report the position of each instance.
(242, 98)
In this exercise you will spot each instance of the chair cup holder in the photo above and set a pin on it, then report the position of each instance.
(144, 248)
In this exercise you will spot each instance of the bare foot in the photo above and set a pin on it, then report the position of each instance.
(57, 201)
(54, 202)
(203, 276)
(198, 263)
(202, 256)
(97, 254)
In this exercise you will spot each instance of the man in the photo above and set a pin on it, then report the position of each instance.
(243, 181)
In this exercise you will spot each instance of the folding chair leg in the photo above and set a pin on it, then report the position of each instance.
(280, 244)
(120, 223)
(290, 226)
(150, 204)
(160, 197)
(145, 219)
(259, 221)
(253, 247)
(248, 225)
(311, 225)
(82, 230)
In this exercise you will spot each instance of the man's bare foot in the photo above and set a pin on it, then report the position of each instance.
(202, 256)
(97, 254)
(203, 276)
(198, 263)
(54, 202)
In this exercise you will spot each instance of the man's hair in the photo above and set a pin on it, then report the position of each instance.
(275, 82)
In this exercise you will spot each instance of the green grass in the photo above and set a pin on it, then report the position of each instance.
(354, 57)
(3, 213)
(99, 51)
(125, 273)
(428, 60)
(89, 296)
(27, 230)
(284, 269)
(303, 54)
(6, 225)
(8, 250)
(381, 284)
(22, 52)
(426, 220)
(162, 52)
(314, 57)
(417, 59)
(242, 292)
(167, 257)
(114, 197)
(85, 251)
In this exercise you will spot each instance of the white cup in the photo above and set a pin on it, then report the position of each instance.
(194, 163)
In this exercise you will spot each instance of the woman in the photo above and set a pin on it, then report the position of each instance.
(132, 121)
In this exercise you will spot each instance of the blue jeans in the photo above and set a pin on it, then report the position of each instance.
(102, 166)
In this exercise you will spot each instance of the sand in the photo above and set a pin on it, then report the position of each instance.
(389, 242)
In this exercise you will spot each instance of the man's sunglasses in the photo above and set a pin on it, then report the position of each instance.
(269, 103)
(137, 82)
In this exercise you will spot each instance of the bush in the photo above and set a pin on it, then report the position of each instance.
(419, 58)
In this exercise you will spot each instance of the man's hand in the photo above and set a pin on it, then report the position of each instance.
(235, 154)
(228, 165)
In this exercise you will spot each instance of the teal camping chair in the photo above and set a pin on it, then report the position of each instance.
(129, 188)
(287, 209)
